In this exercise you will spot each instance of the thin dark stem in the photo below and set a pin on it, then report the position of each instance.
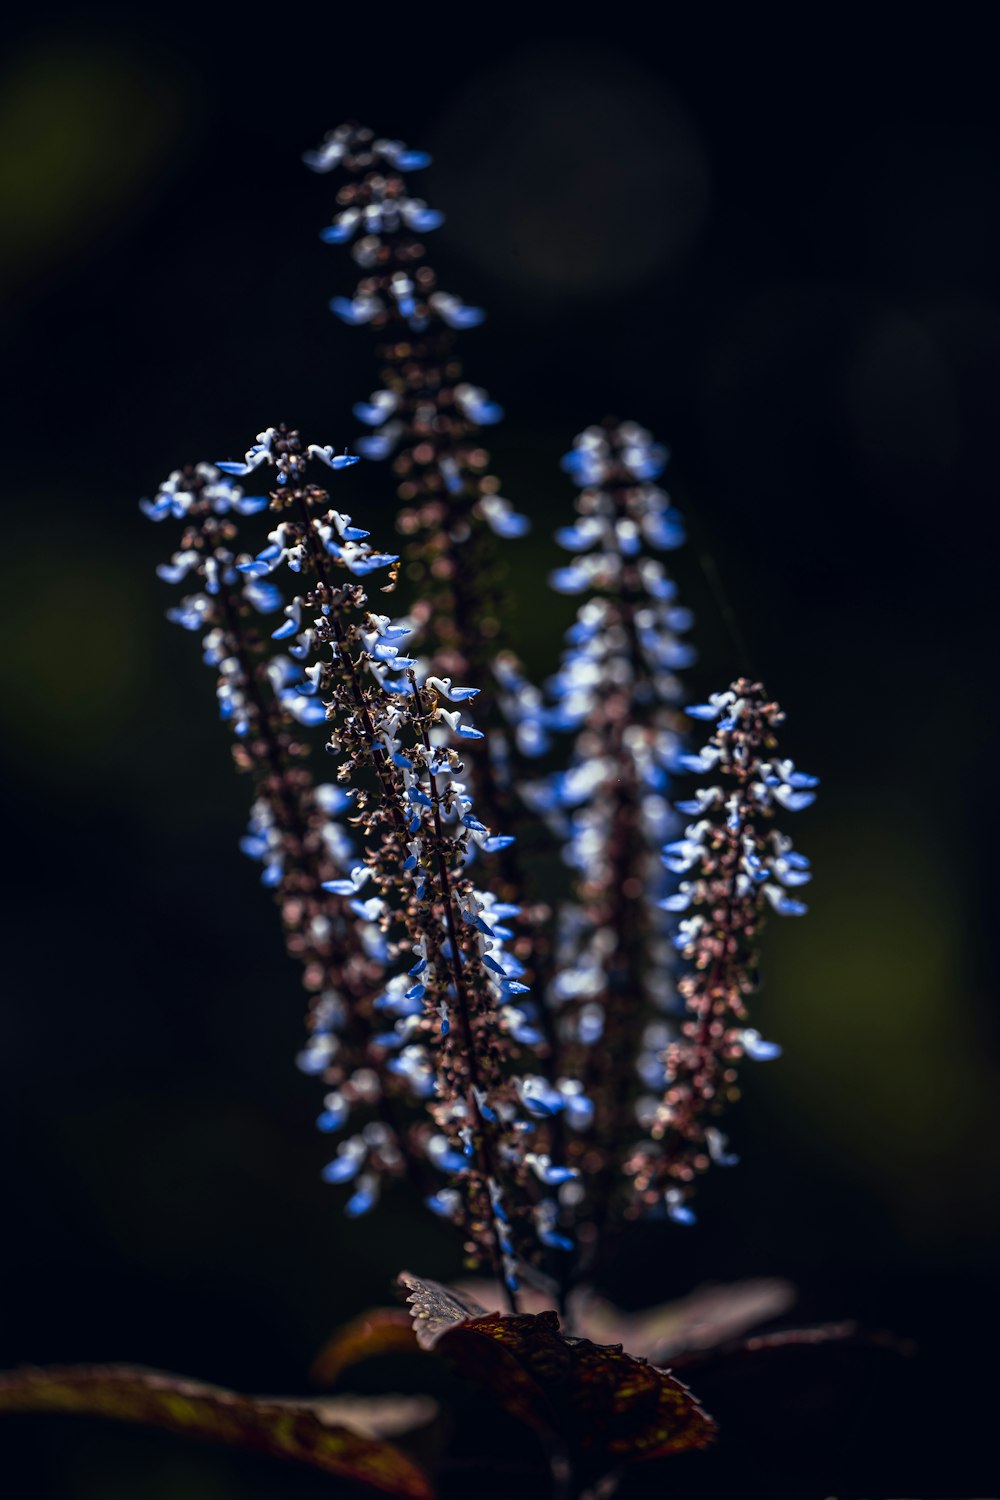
(480, 1137)
(384, 1105)
(392, 802)
(389, 789)
(275, 755)
(624, 909)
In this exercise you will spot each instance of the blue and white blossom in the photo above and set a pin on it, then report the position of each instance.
(617, 691)
(520, 1079)
(206, 485)
(349, 141)
(734, 866)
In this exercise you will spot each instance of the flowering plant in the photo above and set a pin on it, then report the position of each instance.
(541, 1070)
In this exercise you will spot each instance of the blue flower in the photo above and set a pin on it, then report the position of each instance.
(355, 310)
(756, 1048)
(546, 1172)
(455, 313)
(333, 460)
(677, 1209)
(347, 1163)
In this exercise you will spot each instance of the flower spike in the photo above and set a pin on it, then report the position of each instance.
(454, 1020)
(296, 832)
(617, 692)
(428, 419)
(734, 867)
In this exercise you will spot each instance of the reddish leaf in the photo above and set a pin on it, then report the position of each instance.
(382, 1331)
(286, 1429)
(602, 1408)
(395, 1416)
(705, 1318)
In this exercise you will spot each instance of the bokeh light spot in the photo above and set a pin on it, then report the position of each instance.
(571, 170)
(88, 124)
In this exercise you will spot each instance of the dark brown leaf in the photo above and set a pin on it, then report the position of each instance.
(436, 1308)
(705, 1318)
(597, 1404)
(285, 1429)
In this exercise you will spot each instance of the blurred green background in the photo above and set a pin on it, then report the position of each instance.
(779, 252)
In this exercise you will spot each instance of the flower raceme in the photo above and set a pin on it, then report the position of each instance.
(426, 414)
(294, 832)
(428, 419)
(616, 692)
(453, 1018)
(420, 1025)
(736, 866)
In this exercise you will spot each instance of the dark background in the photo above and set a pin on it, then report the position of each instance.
(778, 248)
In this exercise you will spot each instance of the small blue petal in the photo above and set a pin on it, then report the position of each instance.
(441, 1204)
(423, 220)
(341, 1169)
(457, 315)
(555, 1241)
(376, 446)
(794, 801)
(497, 842)
(361, 1202)
(555, 1175)
(411, 161)
(681, 1214)
(757, 1049)
(679, 902)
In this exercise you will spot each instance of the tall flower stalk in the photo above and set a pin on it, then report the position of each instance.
(293, 832)
(457, 1023)
(617, 691)
(428, 420)
(737, 867)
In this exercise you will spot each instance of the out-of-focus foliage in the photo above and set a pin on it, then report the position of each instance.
(341, 1437)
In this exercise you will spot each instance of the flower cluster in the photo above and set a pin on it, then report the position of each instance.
(616, 691)
(425, 413)
(294, 832)
(455, 1018)
(527, 1122)
(736, 867)
(428, 419)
